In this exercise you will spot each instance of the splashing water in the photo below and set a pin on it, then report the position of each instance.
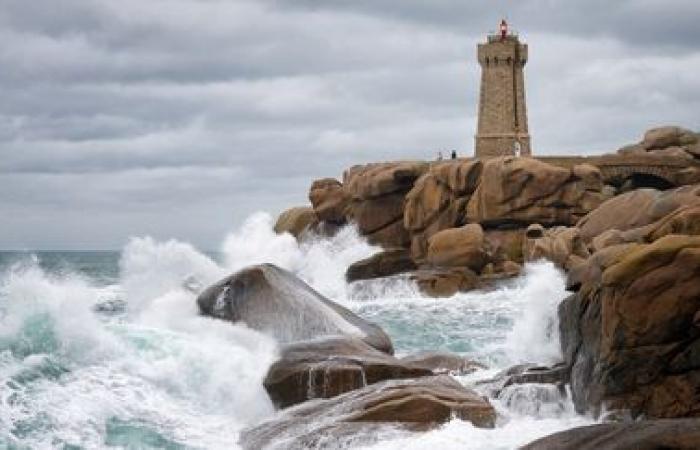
(96, 361)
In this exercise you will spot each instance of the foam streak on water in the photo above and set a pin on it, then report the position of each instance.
(131, 364)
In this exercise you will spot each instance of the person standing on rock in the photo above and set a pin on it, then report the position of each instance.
(454, 154)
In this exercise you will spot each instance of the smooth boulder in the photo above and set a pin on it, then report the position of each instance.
(296, 221)
(683, 434)
(459, 247)
(330, 367)
(414, 404)
(445, 282)
(274, 301)
(383, 264)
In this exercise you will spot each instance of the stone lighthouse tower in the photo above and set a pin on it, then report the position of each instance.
(502, 125)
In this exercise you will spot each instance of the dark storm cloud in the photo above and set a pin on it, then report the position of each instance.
(180, 117)
(671, 23)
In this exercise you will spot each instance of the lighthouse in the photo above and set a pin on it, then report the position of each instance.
(502, 123)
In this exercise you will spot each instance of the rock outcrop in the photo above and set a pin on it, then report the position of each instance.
(382, 264)
(296, 221)
(437, 201)
(636, 209)
(329, 200)
(630, 334)
(417, 404)
(666, 141)
(446, 282)
(505, 245)
(377, 193)
(520, 191)
(526, 373)
(561, 245)
(329, 367)
(681, 434)
(459, 247)
(274, 301)
(467, 219)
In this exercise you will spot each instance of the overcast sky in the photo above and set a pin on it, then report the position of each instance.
(179, 118)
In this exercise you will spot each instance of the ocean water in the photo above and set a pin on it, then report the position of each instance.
(107, 349)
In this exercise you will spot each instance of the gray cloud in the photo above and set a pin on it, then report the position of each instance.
(179, 118)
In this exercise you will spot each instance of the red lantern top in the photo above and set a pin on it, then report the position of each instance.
(504, 29)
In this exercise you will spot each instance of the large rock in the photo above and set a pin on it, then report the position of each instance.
(590, 177)
(505, 245)
(589, 273)
(445, 282)
(374, 214)
(623, 212)
(442, 363)
(525, 190)
(525, 374)
(666, 141)
(438, 200)
(428, 198)
(329, 199)
(561, 245)
(683, 434)
(636, 209)
(459, 247)
(393, 235)
(451, 217)
(296, 221)
(377, 193)
(330, 367)
(442, 185)
(382, 264)
(417, 404)
(274, 301)
(667, 136)
(630, 334)
(684, 220)
(376, 180)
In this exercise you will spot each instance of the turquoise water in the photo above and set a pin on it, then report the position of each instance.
(107, 350)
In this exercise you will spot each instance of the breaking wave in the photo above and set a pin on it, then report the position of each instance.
(130, 363)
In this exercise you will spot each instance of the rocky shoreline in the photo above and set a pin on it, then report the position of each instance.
(627, 237)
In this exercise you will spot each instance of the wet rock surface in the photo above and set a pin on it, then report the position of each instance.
(527, 373)
(273, 300)
(682, 434)
(330, 367)
(382, 264)
(629, 333)
(296, 221)
(445, 282)
(442, 363)
(416, 404)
